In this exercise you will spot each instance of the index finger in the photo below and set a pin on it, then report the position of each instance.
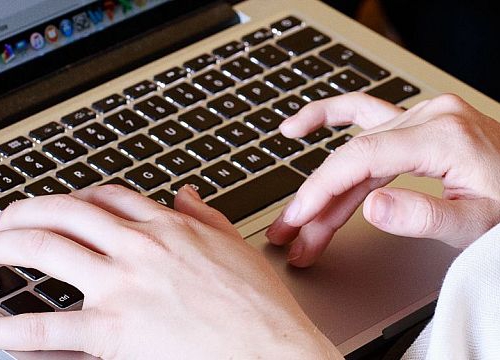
(378, 155)
(352, 108)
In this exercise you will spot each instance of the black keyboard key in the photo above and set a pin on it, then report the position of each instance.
(285, 24)
(257, 37)
(312, 67)
(319, 91)
(14, 146)
(177, 162)
(109, 161)
(95, 135)
(228, 105)
(264, 119)
(269, 56)
(109, 103)
(290, 105)
(257, 194)
(31, 273)
(10, 281)
(348, 81)
(285, 79)
(25, 303)
(309, 162)
(341, 56)
(33, 164)
(171, 75)
(64, 149)
(207, 147)
(317, 135)
(78, 176)
(121, 182)
(200, 119)
(236, 134)
(163, 197)
(253, 159)
(200, 62)
(335, 143)
(10, 199)
(140, 89)
(147, 176)
(46, 131)
(241, 68)
(9, 178)
(341, 127)
(303, 41)
(281, 146)
(59, 293)
(223, 174)
(126, 121)
(257, 92)
(170, 133)
(155, 108)
(78, 117)
(140, 147)
(394, 90)
(184, 94)
(229, 49)
(46, 186)
(203, 188)
(213, 81)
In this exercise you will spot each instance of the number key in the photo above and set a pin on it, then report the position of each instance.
(33, 164)
(95, 135)
(64, 149)
(126, 121)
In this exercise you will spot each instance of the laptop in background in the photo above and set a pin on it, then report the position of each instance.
(154, 94)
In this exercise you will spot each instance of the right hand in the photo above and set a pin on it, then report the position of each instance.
(444, 138)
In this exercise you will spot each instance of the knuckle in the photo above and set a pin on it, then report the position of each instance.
(39, 242)
(448, 103)
(34, 331)
(432, 218)
(361, 146)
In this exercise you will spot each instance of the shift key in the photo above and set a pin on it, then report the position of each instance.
(258, 193)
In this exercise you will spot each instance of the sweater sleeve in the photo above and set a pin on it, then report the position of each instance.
(466, 324)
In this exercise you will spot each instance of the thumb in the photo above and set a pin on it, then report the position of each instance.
(407, 213)
(188, 202)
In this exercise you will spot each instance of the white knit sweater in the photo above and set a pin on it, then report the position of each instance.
(466, 324)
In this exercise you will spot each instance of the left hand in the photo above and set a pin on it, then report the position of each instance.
(158, 283)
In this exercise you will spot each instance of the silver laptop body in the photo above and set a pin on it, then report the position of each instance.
(367, 285)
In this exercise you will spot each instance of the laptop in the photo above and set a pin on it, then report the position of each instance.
(154, 94)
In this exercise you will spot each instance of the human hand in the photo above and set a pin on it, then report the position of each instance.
(444, 138)
(158, 283)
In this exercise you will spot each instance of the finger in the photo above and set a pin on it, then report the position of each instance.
(315, 236)
(187, 201)
(52, 254)
(47, 331)
(408, 213)
(72, 218)
(410, 117)
(334, 216)
(352, 108)
(378, 155)
(120, 201)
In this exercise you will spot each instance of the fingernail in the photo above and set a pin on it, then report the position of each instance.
(295, 252)
(381, 209)
(191, 192)
(292, 211)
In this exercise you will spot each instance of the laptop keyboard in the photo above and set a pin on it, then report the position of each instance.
(211, 122)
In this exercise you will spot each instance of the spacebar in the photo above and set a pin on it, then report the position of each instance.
(258, 193)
